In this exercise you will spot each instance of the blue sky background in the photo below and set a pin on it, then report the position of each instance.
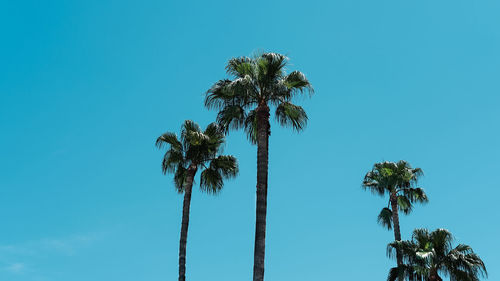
(87, 86)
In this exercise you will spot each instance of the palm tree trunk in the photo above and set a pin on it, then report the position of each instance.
(395, 221)
(261, 210)
(433, 276)
(185, 221)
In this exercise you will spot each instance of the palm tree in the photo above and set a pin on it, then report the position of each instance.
(195, 149)
(430, 254)
(398, 180)
(244, 102)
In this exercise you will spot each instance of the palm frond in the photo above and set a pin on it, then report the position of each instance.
(189, 131)
(385, 218)
(408, 176)
(168, 138)
(462, 261)
(374, 182)
(395, 273)
(296, 81)
(190, 126)
(288, 114)
(417, 172)
(404, 204)
(404, 272)
(415, 194)
(212, 130)
(211, 181)
(218, 96)
(196, 138)
(226, 165)
(250, 124)
(231, 117)
(241, 90)
(171, 160)
(180, 178)
(174, 155)
(421, 236)
(393, 248)
(405, 247)
(462, 275)
(441, 240)
(275, 64)
(462, 249)
(270, 67)
(240, 67)
(216, 138)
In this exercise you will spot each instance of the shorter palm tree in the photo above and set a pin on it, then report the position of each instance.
(398, 179)
(430, 254)
(196, 149)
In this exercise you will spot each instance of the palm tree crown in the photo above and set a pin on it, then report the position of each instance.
(194, 149)
(429, 254)
(258, 81)
(398, 180)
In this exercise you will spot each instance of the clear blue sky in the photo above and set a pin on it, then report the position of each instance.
(87, 86)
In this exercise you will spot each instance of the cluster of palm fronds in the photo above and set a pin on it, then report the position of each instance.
(427, 254)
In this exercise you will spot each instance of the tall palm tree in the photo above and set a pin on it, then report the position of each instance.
(196, 149)
(398, 180)
(431, 254)
(244, 101)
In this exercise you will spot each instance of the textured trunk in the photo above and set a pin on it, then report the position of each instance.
(433, 276)
(185, 221)
(261, 210)
(395, 222)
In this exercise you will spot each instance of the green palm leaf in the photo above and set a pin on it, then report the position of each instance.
(180, 178)
(168, 139)
(288, 114)
(385, 218)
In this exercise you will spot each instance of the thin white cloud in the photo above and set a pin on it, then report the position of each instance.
(65, 246)
(16, 268)
(69, 245)
(13, 257)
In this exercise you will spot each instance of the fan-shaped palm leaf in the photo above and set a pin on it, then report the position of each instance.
(288, 114)
(385, 218)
